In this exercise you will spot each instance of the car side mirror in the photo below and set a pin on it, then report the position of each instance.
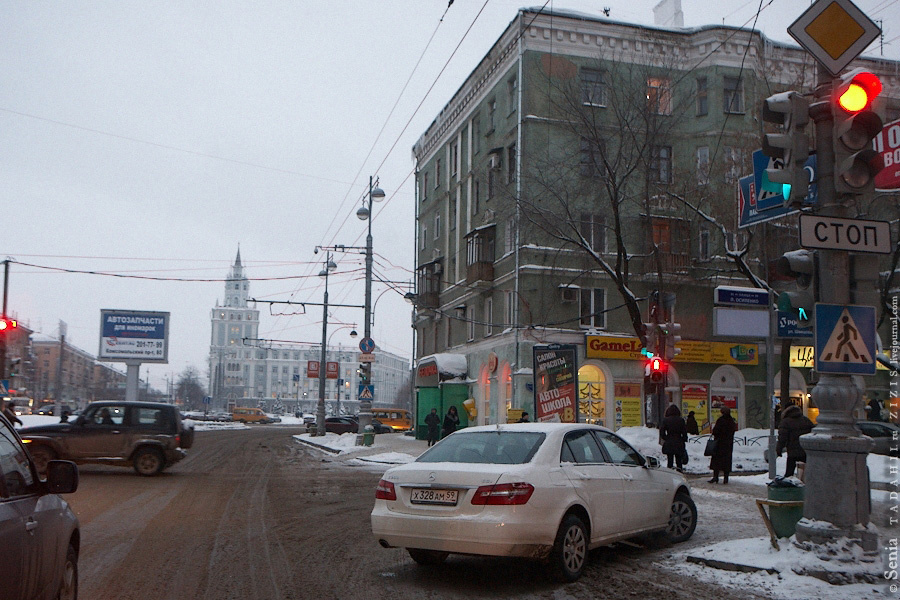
(62, 477)
(651, 462)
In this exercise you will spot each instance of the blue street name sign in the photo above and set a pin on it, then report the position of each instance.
(748, 212)
(789, 327)
(769, 200)
(741, 296)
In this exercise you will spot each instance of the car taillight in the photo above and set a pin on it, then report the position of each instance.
(178, 440)
(385, 491)
(503, 494)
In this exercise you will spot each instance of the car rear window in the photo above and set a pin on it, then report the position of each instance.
(490, 447)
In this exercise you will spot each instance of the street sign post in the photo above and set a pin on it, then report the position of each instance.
(789, 327)
(366, 345)
(854, 235)
(729, 295)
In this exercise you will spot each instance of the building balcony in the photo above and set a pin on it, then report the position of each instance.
(479, 271)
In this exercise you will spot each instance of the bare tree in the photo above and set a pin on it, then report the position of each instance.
(190, 389)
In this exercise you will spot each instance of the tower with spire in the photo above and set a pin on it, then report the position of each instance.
(232, 321)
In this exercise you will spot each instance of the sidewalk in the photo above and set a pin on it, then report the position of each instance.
(387, 449)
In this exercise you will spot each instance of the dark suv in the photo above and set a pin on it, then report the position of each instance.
(39, 533)
(148, 436)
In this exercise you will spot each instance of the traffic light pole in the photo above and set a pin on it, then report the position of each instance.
(837, 480)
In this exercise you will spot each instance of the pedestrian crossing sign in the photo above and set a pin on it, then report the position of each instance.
(845, 339)
(366, 392)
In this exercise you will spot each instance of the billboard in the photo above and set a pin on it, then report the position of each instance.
(556, 383)
(139, 336)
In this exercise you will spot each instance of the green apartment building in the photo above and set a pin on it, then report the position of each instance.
(585, 168)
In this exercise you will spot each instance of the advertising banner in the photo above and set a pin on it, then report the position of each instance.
(628, 405)
(312, 369)
(719, 353)
(555, 383)
(332, 370)
(695, 397)
(140, 336)
(887, 143)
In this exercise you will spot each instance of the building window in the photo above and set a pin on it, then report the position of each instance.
(591, 162)
(511, 163)
(488, 316)
(476, 137)
(661, 164)
(437, 226)
(702, 97)
(734, 95)
(492, 115)
(437, 173)
(733, 161)
(424, 236)
(510, 320)
(511, 92)
(452, 224)
(702, 165)
(424, 186)
(470, 322)
(593, 307)
(454, 159)
(703, 248)
(592, 90)
(593, 229)
(659, 95)
(510, 238)
(476, 196)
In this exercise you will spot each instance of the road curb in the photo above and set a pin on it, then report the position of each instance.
(317, 446)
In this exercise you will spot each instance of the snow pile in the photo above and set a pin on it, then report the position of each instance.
(215, 425)
(791, 573)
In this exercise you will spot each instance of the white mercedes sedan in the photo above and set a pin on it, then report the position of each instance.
(542, 490)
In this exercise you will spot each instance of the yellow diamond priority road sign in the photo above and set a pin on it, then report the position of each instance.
(835, 32)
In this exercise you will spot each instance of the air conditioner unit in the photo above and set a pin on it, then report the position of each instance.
(494, 161)
(438, 268)
(568, 294)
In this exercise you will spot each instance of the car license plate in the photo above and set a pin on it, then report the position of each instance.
(430, 496)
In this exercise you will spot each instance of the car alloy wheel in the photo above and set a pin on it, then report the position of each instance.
(569, 554)
(682, 518)
(68, 587)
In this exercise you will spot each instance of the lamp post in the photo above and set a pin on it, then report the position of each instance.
(338, 389)
(320, 409)
(365, 214)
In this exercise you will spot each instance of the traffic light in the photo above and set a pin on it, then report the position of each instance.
(655, 369)
(651, 330)
(7, 325)
(364, 373)
(789, 148)
(855, 126)
(799, 265)
(673, 331)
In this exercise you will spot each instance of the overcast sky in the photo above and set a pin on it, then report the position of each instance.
(152, 139)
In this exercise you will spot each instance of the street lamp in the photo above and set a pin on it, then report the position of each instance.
(338, 391)
(365, 214)
(328, 267)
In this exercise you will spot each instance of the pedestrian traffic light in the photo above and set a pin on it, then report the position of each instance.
(855, 126)
(7, 325)
(799, 265)
(673, 336)
(789, 148)
(655, 369)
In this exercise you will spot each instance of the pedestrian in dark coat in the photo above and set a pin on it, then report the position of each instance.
(674, 436)
(433, 422)
(723, 432)
(874, 410)
(691, 423)
(451, 421)
(793, 425)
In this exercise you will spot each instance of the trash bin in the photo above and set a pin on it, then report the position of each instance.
(784, 518)
(368, 435)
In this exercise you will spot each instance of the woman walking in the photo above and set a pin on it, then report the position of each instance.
(723, 432)
(674, 436)
(451, 421)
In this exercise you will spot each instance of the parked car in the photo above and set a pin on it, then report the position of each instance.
(557, 489)
(341, 425)
(147, 436)
(50, 410)
(39, 533)
(21, 409)
(885, 435)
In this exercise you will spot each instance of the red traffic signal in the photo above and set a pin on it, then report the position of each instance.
(656, 368)
(7, 325)
(857, 90)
